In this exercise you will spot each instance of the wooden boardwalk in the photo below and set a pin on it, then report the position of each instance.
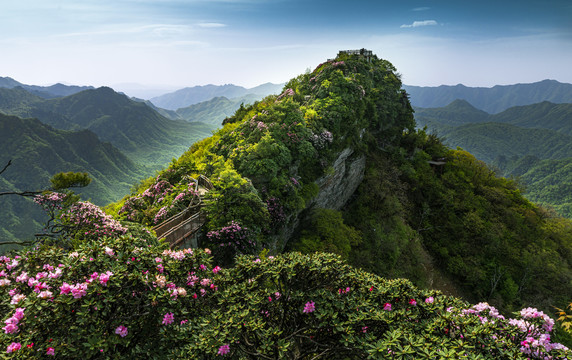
(180, 229)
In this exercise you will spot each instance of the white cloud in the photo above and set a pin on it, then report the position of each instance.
(420, 23)
(423, 8)
(211, 25)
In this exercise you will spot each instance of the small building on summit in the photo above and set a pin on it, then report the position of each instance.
(367, 54)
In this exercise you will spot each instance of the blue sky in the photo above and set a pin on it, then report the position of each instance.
(177, 43)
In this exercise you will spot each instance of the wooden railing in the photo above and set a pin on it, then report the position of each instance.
(185, 224)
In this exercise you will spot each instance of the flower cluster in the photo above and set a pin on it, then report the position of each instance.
(233, 236)
(99, 285)
(12, 322)
(287, 92)
(121, 331)
(51, 200)
(321, 140)
(533, 325)
(309, 307)
(92, 220)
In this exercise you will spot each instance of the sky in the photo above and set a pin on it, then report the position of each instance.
(170, 44)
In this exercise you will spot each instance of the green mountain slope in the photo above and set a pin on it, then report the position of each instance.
(549, 183)
(489, 141)
(38, 152)
(545, 115)
(133, 127)
(521, 141)
(492, 100)
(214, 111)
(285, 172)
(458, 112)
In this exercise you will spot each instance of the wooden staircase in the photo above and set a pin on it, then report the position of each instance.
(181, 228)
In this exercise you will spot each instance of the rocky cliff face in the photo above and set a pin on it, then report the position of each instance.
(336, 188)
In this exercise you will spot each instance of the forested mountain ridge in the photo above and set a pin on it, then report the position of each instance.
(133, 127)
(37, 152)
(46, 92)
(522, 141)
(492, 100)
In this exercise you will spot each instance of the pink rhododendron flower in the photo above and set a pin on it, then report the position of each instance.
(65, 288)
(10, 328)
(109, 251)
(45, 294)
(48, 267)
(121, 331)
(23, 277)
(19, 313)
(55, 274)
(104, 278)
(387, 307)
(429, 300)
(224, 349)
(216, 269)
(79, 290)
(309, 307)
(13, 347)
(412, 302)
(168, 318)
(50, 351)
(17, 298)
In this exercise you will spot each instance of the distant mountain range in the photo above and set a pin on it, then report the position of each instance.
(492, 100)
(192, 95)
(133, 127)
(46, 92)
(532, 142)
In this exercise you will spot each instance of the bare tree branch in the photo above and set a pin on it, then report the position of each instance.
(22, 193)
(22, 243)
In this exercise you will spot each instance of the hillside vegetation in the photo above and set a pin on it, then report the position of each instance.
(420, 209)
(530, 142)
(408, 215)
